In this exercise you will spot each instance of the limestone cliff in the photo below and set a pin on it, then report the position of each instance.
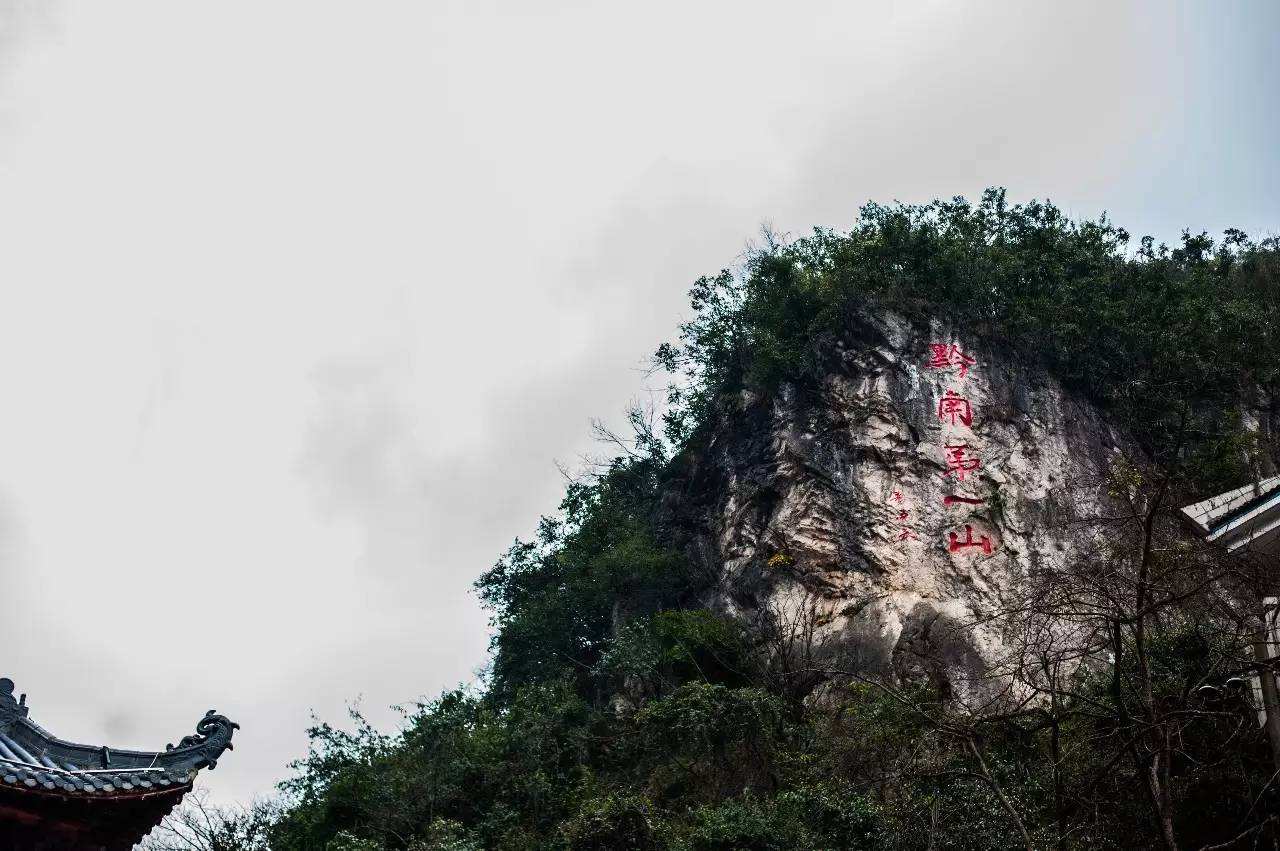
(906, 495)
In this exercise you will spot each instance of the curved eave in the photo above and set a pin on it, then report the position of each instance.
(25, 742)
(124, 785)
(34, 762)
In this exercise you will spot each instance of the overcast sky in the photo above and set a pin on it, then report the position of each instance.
(303, 301)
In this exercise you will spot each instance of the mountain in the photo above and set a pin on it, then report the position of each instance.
(903, 500)
(897, 564)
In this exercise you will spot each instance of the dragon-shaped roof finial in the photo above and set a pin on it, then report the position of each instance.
(212, 737)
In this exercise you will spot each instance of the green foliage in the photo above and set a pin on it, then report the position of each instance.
(624, 823)
(805, 817)
(657, 653)
(707, 741)
(503, 771)
(554, 599)
(745, 823)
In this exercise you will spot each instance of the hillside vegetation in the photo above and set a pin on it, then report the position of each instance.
(1174, 343)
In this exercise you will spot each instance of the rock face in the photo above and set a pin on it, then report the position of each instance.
(903, 499)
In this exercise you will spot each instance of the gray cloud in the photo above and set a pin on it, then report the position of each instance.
(367, 464)
(11, 567)
(22, 24)
(395, 287)
(20, 20)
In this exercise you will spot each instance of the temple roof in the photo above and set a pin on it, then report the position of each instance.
(1246, 519)
(34, 761)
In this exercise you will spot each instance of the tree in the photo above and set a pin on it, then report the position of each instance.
(198, 824)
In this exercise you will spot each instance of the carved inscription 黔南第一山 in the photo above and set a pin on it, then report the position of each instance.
(961, 452)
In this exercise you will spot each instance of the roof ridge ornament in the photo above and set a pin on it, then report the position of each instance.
(212, 737)
(7, 701)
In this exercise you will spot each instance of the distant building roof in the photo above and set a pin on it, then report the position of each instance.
(1243, 520)
(58, 794)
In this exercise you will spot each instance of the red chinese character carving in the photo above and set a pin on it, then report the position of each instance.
(897, 496)
(907, 534)
(943, 356)
(952, 500)
(954, 543)
(955, 406)
(957, 462)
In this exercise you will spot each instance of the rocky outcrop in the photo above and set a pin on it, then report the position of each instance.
(905, 497)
